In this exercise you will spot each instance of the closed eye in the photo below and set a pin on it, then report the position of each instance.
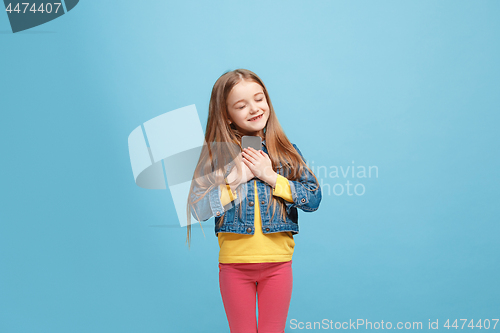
(257, 100)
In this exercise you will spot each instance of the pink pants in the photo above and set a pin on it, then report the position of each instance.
(272, 281)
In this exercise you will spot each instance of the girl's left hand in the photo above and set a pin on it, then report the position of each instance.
(260, 164)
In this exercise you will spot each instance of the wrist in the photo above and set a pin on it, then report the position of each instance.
(233, 183)
(272, 179)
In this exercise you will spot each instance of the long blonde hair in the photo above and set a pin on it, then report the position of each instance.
(221, 137)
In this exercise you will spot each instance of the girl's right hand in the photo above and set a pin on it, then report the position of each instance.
(245, 177)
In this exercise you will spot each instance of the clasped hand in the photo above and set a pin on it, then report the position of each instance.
(255, 164)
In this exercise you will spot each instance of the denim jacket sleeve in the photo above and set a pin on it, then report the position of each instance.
(304, 197)
(210, 205)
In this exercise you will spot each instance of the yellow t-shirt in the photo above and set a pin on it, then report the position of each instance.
(259, 247)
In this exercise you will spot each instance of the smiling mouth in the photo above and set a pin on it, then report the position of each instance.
(256, 118)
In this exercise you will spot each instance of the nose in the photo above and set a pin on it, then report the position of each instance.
(254, 108)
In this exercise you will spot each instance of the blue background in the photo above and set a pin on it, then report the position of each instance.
(411, 87)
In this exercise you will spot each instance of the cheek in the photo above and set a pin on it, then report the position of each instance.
(243, 117)
(238, 117)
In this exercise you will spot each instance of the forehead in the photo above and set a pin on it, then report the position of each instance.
(244, 89)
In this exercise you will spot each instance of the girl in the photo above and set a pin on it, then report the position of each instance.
(239, 187)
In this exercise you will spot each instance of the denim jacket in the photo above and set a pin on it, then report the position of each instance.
(306, 200)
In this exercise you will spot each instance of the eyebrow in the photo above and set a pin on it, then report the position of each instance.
(260, 92)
